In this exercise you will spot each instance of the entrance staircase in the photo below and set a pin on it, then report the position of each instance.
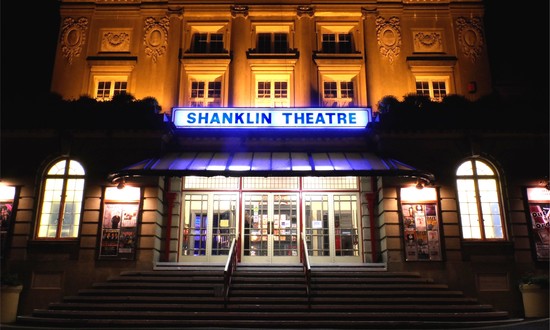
(268, 297)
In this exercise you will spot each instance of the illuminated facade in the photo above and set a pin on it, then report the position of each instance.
(274, 107)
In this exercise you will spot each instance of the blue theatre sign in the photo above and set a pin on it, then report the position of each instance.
(348, 118)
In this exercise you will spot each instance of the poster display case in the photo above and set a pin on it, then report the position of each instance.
(421, 225)
(119, 226)
(538, 200)
(7, 195)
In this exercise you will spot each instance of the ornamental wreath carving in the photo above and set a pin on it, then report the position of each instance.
(73, 37)
(428, 42)
(388, 35)
(470, 37)
(115, 41)
(156, 37)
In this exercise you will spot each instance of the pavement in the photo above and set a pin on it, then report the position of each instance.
(524, 324)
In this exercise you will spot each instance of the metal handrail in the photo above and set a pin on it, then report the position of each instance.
(306, 265)
(230, 266)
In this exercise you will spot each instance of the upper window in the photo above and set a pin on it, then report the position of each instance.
(338, 43)
(206, 38)
(337, 38)
(61, 203)
(272, 43)
(272, 38)
(436, 88)
(207, 43)
(479, 201)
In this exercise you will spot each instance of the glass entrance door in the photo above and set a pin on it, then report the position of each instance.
(270, 228)
(331, 227)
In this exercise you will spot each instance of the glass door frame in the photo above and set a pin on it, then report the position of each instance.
(275, 236)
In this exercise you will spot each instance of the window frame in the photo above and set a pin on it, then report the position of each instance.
(64, 183)
(338, 101)
(272, 100)
(476, 179)
(431, 80)
(206, 100)
(273, 29)
(339, 30)
(209, 29)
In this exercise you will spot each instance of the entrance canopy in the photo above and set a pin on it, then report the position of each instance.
(233, 164)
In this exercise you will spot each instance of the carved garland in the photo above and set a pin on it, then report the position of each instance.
(470, 37)
(388, 35)
(156, 37)
(73, 37)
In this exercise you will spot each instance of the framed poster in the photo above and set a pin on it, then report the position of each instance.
(6, 224)
(421, 232)
(539, 217)
(421, 227)
(119, 231)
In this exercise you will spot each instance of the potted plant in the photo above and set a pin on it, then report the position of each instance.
(11, 287)
(534, 290)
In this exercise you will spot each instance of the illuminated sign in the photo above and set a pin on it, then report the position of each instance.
(271, 117)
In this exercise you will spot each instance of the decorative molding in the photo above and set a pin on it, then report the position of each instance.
(73, 37)
(156, 37)
(305, 11)
(470, 36)
(115, 41)
(428, 42)
(239, 10)
(388, 35)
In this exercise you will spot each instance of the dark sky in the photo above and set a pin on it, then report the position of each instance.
(517, 38)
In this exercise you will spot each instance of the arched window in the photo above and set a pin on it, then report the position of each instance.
(61, 205)
(479, 201)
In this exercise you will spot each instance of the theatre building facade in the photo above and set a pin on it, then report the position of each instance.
(273, 124)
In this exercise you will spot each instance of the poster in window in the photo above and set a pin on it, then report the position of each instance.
(540, 225)
(109, 242)
(421, 232)
(539, 217)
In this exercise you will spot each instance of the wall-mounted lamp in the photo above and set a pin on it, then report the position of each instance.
(419, 184)
(121, 184)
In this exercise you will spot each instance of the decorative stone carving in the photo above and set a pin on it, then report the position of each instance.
(115, 41)
(156, 37)
(73, 37)
(388, 35)
(305, 11)
(239, 10)
(470, 37)
(428, 42)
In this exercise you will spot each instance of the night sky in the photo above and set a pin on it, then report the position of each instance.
(29, 32)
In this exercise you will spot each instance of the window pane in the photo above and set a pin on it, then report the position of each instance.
(483, 169)
(199, 43)
(281, 43)
(346, 89)
(280, 89)
(330, 89)
(439, 90)
(468, 208)
(329, 43)
(214, 89)
(264, 43)
(216, 43)
(423, 88)
(264, 89)
(344, 43)
(465, 169)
